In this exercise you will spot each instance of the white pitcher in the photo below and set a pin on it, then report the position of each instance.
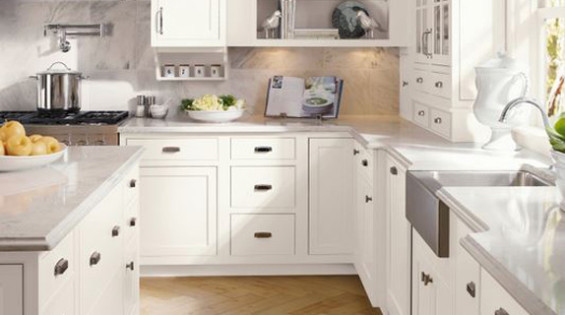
(498, 81)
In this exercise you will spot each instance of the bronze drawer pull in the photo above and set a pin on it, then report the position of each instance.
(171, 149)
(501, 311)
(426, 279)
(263, 234)
(439, 84)
(116, 231)
(394, 170)
(263, 149)
(355, 151)
(132, 183)
(471, 289)
(132, 222)
(263, 187)
(61, 266)
(95, 258)
(420, 80)
(365, 163)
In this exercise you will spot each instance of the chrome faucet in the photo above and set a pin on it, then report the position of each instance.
(524, 100)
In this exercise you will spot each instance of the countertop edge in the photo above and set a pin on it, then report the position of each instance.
(530, 302)
(58, 233)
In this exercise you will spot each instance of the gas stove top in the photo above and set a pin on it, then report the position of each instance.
(81, 118)
(83, 128)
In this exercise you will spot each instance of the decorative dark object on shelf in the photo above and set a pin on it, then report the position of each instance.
(345, 19)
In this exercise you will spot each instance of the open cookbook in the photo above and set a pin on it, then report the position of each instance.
(304, 98)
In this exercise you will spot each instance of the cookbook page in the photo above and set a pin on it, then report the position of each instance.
(285, 96)
(320, 97)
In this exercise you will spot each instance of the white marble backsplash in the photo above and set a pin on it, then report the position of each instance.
(121, 65)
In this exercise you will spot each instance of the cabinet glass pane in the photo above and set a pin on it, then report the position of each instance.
(446, 35)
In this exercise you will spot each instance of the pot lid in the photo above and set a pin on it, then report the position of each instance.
(59, 68)
(502, 62)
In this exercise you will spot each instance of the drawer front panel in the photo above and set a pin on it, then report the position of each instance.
(56, 268)
(440, 85)
(421, 115)
(262, 234)
(177, 149)
(421, 81)
(101, 248)
(263, 187)
(440, 122)
(494, 298)
(263, 149)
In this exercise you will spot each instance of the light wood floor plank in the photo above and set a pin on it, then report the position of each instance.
(307, 295)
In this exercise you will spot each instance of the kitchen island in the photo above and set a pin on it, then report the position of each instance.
(382, 149)
(68, 232)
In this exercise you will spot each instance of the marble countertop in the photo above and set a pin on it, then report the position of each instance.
(519, 239)
(416, 147)
(39, 207)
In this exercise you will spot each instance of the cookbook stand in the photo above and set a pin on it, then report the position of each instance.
(319, 118)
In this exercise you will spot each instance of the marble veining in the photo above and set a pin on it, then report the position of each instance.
(38, 207)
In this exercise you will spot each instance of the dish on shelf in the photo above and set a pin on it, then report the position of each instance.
(344, 18)
(16, 163)
(215, 116)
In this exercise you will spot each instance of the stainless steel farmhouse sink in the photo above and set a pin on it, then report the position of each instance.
(430, 216)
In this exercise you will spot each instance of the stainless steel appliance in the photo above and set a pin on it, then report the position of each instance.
(83, 128)
(58, 90)
(429, 216)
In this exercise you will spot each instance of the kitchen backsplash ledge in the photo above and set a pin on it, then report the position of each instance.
(121, 65)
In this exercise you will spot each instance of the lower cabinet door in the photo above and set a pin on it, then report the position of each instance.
(11, 290)
(424, 293)
(178, 211)
(331, 197)
(366, 260)
(131, 279)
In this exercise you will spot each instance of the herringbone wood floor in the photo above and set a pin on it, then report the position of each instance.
(339, 295)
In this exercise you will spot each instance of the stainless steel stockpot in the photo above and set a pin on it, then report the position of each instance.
(59, 90)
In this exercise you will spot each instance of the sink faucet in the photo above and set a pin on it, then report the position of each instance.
(526, 100)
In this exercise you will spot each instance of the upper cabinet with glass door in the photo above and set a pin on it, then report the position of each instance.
(433, 32)
(318, 23)
(188, 23)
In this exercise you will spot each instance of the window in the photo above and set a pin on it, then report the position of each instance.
(552, 16)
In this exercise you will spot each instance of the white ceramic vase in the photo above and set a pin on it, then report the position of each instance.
(499, 81)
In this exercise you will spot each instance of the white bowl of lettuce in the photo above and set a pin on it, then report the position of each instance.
(214, 109)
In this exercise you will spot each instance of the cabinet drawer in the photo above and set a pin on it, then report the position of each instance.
(467, 282)
(263, 149)
(421, 115)
(440, 122)
(101, 248)
(494, 298)
(131, 185)
(263, 187)
(262, 234)
(440, 84)
(421, 81)
(177, 149)
(63, 303)
(56, 267)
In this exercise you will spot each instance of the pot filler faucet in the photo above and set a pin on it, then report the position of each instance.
(524, 100)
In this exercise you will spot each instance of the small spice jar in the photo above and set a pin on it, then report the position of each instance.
(199, 71)
(169, 71)
(215, 71)
(184, 71)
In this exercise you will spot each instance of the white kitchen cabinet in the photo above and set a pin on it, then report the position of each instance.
(398, 239)
(188, 23)
(445, 53)
(366, 260)
(495, 300)
(331, 196)
(431, 293)
(11, 290)
(178, 211)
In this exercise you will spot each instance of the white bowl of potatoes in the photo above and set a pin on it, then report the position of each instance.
(19, 151)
